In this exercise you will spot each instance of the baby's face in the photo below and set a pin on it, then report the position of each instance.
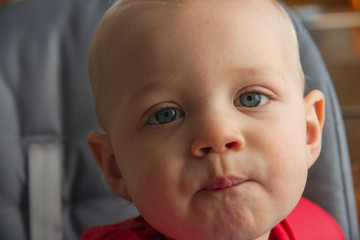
(208, 125)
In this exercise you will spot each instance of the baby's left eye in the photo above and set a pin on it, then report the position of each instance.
(251, 100)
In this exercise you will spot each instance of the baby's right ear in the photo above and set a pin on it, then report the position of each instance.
(103, 153)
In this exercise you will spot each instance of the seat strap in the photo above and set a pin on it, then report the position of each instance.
(45, 173)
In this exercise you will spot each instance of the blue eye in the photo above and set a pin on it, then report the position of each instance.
(251, 99)
(165, 115)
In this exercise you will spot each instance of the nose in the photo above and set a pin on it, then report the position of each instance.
(216, 135)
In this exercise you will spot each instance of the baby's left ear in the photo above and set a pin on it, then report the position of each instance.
(315, 115)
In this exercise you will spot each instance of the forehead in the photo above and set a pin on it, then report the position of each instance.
(152, 35)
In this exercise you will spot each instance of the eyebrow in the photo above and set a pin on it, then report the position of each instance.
(249, 74)
(144, 92)
(263, 71)
(275, 73)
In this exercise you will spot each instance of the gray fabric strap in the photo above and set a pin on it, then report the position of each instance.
(45, 190)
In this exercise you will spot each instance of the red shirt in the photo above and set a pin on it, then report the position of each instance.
(306, 222)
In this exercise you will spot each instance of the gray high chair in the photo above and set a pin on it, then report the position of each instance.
(50, 187)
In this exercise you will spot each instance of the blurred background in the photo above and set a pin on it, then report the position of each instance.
(335, 27)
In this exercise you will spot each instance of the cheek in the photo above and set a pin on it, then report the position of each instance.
(280, 147)
(151, 171)
(288, 159)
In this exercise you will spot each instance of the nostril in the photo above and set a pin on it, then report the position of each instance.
(230, 145)
(206, 149)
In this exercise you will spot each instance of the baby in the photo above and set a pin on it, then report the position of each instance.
(207, 130)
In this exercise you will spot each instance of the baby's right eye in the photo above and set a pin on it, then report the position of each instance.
(165, 115)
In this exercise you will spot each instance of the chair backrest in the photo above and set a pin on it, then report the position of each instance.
(50, 187)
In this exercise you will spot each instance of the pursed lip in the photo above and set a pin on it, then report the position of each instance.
(222, 183)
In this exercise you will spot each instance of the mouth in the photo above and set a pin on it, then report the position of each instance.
(222, 183)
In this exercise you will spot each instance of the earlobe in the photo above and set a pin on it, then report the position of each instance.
(315, 116)
(104, 156)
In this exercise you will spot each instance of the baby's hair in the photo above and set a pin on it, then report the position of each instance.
(101, 44)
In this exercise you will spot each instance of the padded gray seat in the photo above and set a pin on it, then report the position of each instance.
(46, 108)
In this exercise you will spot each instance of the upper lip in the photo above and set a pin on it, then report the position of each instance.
(220, 183)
